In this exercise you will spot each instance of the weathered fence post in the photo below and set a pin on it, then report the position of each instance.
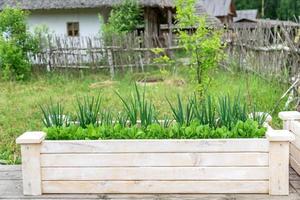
(279, 161)
(31, 167)
(111, 62)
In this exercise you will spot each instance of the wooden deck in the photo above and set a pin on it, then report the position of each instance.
(11, 188)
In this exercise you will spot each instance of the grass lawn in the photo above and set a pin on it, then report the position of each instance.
(19, 101)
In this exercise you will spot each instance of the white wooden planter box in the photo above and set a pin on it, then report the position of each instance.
(291, 122)
(156, 166)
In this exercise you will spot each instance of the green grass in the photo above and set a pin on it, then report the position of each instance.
(20, 101)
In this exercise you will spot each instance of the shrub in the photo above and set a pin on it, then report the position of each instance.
(124, 17)
(16, 44)
(13, 63)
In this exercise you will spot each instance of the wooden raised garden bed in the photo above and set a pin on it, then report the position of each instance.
(156, 166)
(291, 122)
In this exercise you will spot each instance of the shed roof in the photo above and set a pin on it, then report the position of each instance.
(218, 7)
(72, 4)
(268, 23)
(251, 14)
(210, 19)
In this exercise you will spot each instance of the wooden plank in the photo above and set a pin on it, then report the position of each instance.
(7, 168)
(31, 138)
(295, 152)
(295, 165)
(293, 196)
(31, 169)
(155, 160)
(296, 142)
(279, 168)
(161, 187)
(11, 175)
(164, 146)
(156, 173)
(295, 127)
(12, 187)
(279, 135)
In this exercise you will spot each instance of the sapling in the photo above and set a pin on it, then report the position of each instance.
(204, 44)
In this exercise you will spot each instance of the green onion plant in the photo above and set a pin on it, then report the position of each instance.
(53, 115)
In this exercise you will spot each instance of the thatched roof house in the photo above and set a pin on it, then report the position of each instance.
(73, 4)
(80, 17)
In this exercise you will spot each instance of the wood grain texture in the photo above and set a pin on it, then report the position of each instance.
(8, 168)
(154, 159)
(31, 138)
(289, 115)
(12, 187)
(10, 175)
(160, 187)
(280, 135)
(31, 169)
(149, 146)
(279, 168)
(294, 164)
(295, 127)
(295, 152)
(296, 142)
(12, 190)
(156, 173)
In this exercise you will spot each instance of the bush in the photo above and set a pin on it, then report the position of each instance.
(124, 17)
(13, 62)
(16, 44)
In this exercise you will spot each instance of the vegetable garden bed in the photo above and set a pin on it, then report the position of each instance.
(156, 166)
(291, 123)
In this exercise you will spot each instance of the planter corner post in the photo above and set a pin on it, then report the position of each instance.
(279, 161)
(287, 117)
(31, 166)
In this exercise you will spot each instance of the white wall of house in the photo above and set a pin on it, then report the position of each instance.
(56, 20)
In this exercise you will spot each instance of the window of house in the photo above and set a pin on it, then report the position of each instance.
(73, 29)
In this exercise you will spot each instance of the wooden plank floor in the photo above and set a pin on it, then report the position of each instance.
(11, 188)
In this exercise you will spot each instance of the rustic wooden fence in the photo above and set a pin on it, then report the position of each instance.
(270, 51)
(265, 50)
(115, 51)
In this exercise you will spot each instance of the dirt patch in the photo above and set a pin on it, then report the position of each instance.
(175, 82)
(151, 80)
(102, 84)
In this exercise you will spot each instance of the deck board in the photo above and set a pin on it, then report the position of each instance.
(11, 189)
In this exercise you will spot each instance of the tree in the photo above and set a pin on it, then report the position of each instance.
(203, 45)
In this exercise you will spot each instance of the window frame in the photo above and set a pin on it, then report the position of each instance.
(73, 28)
